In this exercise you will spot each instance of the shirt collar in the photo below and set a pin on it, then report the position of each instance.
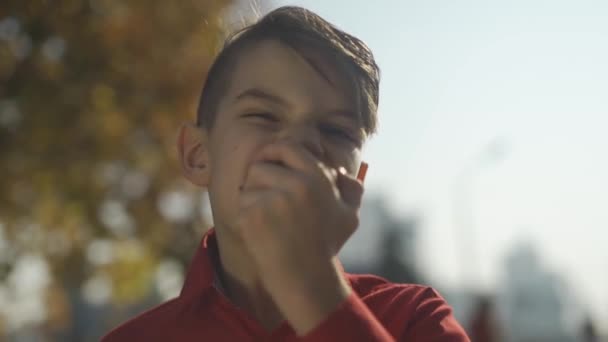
(202, 274)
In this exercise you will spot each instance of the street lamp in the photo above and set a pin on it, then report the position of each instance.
(466, 236)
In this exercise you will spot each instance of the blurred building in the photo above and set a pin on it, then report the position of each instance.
(532, 299)
(384, 244)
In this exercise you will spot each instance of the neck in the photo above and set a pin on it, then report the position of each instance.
(240, 281)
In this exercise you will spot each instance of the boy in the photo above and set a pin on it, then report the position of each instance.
(283, 115)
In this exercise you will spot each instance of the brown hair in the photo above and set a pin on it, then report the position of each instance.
(299, 29)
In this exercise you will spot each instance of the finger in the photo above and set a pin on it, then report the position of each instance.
(264, 174)
(351, 189)
(291, 155)
(362, 171)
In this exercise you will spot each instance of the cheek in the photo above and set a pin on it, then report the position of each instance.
(228, 156)
(233, 153)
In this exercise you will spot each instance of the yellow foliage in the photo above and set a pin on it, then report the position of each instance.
(92, 93)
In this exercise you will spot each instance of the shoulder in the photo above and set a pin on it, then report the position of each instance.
(415, 312)
(147, 325)
(367, 285)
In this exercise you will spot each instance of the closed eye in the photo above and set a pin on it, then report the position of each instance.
(262, 116)
(338, 132)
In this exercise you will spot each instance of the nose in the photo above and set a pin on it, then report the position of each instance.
(307, 136)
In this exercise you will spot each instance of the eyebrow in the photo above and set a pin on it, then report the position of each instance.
(262, 95)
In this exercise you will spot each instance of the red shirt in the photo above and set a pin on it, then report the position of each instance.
(377, 310)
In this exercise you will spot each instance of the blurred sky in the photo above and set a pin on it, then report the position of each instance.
(456, 76)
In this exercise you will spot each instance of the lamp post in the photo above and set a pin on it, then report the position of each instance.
(464, 218)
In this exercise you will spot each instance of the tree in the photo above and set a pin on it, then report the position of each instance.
(91, 95)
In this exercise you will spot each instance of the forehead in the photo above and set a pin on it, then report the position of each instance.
(301, 76)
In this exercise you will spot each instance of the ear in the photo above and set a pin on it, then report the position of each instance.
(192, 147)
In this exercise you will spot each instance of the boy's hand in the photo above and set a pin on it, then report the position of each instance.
(295, 215)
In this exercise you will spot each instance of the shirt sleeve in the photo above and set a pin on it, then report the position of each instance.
(353, 321)
(434, 321)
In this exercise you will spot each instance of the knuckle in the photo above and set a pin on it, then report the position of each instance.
(329, 173)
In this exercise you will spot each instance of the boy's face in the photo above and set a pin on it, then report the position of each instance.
(275, 95)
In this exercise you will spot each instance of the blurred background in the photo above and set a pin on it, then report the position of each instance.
(488, 178)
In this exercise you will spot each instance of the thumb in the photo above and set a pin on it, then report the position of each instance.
(351, 189)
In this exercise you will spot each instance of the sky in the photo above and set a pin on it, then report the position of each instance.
(508, 100)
